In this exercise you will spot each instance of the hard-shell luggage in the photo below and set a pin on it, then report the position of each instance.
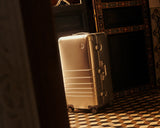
(86, 70)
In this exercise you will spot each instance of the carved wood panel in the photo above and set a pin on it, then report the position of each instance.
(155, 20)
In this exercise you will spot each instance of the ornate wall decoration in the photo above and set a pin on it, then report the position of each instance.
(17, 104)
(155, 20)
(100, 5)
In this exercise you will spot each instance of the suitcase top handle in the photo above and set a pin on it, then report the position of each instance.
(81, 33)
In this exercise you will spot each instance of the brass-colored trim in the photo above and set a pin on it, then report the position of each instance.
(95, 15)
(95, 18)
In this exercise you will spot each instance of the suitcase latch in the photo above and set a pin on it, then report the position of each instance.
(102, 70)
(98, 47)
(104, 93)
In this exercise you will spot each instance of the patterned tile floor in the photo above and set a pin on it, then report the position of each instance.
(134, 111)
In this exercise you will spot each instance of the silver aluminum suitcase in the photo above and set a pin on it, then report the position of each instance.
(86, 70)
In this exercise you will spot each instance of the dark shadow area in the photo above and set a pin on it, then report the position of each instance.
(121, 17)
(129, 67)
(74, 18)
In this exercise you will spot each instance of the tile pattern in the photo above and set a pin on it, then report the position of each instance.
(133, 111)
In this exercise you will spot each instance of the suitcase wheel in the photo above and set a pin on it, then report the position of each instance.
(94, 110)
(70, 109)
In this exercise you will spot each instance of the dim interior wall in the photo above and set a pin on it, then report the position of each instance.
(17, 101)
(155, 23)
